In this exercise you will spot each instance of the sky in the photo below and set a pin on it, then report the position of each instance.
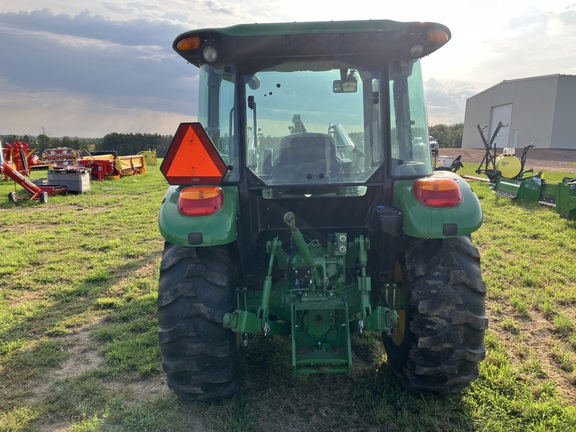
(84, 68)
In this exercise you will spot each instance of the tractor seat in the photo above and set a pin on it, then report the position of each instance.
(306, 158)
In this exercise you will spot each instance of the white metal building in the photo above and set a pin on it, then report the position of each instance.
(539, 110)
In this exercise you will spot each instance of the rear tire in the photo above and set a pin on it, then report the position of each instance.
(201, 358)
(439, 340)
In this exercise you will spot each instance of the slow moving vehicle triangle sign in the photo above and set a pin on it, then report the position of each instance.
(192, 158)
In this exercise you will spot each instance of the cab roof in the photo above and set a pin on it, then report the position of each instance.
(305, 40)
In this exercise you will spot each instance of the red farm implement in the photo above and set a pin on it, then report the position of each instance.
(19, 156)
(61, 157)
(16, 160)
(108, 165)
(102, 164)
(36, 192)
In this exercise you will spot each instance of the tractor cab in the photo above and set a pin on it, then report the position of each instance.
(330, 107)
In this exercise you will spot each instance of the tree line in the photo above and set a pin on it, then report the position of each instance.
(42, 142)
(449, 136)
(131, 143)
(122, 143)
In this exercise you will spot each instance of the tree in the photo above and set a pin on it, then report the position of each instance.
(129, 144)
(448, 135)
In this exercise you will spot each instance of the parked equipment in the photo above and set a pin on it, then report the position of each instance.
(509, 179)
(448, 163)
(108, 165)
(18, 156)
(36, 192)
(61, 157)
(560, 196)
(149, 156)
(274, 226)
(506, 165)
(14, 163)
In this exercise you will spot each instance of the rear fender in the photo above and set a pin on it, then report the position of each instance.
(432, 222)
(216, 229)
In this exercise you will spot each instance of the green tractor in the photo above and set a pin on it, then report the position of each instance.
(304, 204)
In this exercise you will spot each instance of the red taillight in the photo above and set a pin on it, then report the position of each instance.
(200, 200)
(437, 192)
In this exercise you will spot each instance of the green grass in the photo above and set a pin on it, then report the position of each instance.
(79, 352)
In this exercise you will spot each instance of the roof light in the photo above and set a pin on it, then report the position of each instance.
(209, 53)
(192, 158)
(417, 50)
(189, 44)
(437, 192)
(200, 200)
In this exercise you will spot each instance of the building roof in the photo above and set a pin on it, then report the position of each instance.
(520, 80)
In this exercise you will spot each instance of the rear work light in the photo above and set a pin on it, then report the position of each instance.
(209, 53)
(428, 41)
(200, 200)
(437, 192)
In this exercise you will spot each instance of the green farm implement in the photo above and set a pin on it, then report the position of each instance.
(509, 179)
(303, 203)
(560, 196)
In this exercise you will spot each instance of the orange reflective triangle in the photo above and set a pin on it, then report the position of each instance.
(192, 158)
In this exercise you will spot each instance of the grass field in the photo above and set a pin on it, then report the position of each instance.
(78, 343)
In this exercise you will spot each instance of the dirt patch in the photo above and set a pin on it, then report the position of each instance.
(84, 356)
(138, 390)
(21, 228)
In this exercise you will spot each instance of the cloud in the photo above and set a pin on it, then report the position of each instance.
(568, 16)
(88, 25)
(536, 43)
(446, 100)
(120, 56)
(530, 17)
(90, 55)
(121, 65)
(65, 114)
(95, 57)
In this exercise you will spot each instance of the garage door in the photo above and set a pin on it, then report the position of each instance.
(501, 113)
